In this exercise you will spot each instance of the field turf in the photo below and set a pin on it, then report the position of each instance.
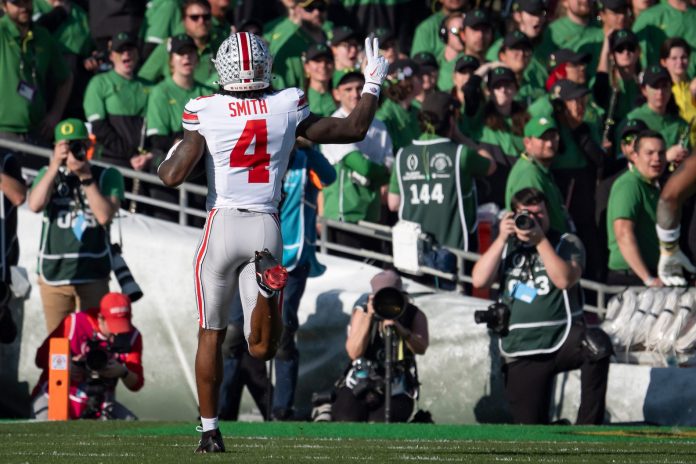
(165, 442)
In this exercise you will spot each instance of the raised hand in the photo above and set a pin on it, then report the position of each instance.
(376, 67)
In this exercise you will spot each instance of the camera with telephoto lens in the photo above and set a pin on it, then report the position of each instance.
(496, 318)
(98, 354)
(78, 148)
(123, 274)
(524, 220)
(389, 303)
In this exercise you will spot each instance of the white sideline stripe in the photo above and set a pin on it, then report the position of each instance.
(183, 361)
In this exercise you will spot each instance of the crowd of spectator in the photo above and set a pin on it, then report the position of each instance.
(591, 103)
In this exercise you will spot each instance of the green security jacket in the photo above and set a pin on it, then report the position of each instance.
(540, 324)
(65, 258)
(37, 61)
(435, 178)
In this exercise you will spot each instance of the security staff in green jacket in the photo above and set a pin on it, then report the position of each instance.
(79, 201)
(197, 22)
(432, 182)
(540, 276)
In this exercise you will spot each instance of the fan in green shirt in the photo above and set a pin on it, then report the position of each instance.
(72, 33)
(631, 214)
(32, 68)
(516, 54)
(428, 36)
(668, 18)
(197, 23)
(396, 110)
(529, 17)
(453, 49)
(305, 25)
(576, 31)
(319, 69)
(533, 169)
(656, 87)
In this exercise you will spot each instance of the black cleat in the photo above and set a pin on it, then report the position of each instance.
(270, 275)
(211, 442)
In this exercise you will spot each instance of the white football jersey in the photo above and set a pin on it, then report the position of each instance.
(248, 145)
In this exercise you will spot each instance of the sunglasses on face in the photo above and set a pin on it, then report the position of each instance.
(315, 6)
(625, 48)
(197, 17)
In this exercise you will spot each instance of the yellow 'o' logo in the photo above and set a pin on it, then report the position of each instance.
(67, 129)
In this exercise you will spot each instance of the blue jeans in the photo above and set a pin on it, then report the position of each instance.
(287, 358)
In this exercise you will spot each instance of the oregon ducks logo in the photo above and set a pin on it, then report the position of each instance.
(67, 128)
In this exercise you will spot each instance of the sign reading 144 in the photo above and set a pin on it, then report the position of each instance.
(425, 196)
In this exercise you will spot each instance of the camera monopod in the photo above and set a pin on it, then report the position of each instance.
(389, 303)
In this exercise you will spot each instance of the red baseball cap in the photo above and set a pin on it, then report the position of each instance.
(115, 308)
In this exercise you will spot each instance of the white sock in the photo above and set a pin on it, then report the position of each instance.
(209, 424)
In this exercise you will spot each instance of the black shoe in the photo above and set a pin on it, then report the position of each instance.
(270, 275)
(211, 442)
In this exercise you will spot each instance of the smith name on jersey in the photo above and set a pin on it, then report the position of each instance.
(248, 145)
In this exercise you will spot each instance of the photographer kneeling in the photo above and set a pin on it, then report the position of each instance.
(539, 313)
(104, 347)
(360, 394)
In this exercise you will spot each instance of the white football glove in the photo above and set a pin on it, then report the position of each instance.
(671, 267)
(375, 69)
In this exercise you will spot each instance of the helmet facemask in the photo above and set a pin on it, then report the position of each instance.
(243, 63)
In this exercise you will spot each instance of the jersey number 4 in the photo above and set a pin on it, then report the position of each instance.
(254, 131)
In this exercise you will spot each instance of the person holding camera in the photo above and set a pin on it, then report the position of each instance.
(539, 313)
(360, 396)
(104, 347)
(78, 201)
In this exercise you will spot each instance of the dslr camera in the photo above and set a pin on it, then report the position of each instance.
(496, 318)
(78, 148)
(524, 220)
(98, 354)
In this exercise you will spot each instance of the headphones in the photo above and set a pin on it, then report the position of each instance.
(443, 30)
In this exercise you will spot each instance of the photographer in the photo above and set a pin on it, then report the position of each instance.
(104, 347)
(539, 313)
(79, 201)
(360, 394)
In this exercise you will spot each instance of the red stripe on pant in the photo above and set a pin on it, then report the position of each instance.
(200, 256)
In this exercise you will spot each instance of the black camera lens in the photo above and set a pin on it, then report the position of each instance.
(524, 221)
(79, 149)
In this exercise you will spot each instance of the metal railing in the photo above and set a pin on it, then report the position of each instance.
(368, 229)
(182, 207)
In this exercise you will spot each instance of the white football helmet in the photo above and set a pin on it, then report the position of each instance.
(243, 63)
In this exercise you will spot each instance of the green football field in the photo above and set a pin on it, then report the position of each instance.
(165, 442)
